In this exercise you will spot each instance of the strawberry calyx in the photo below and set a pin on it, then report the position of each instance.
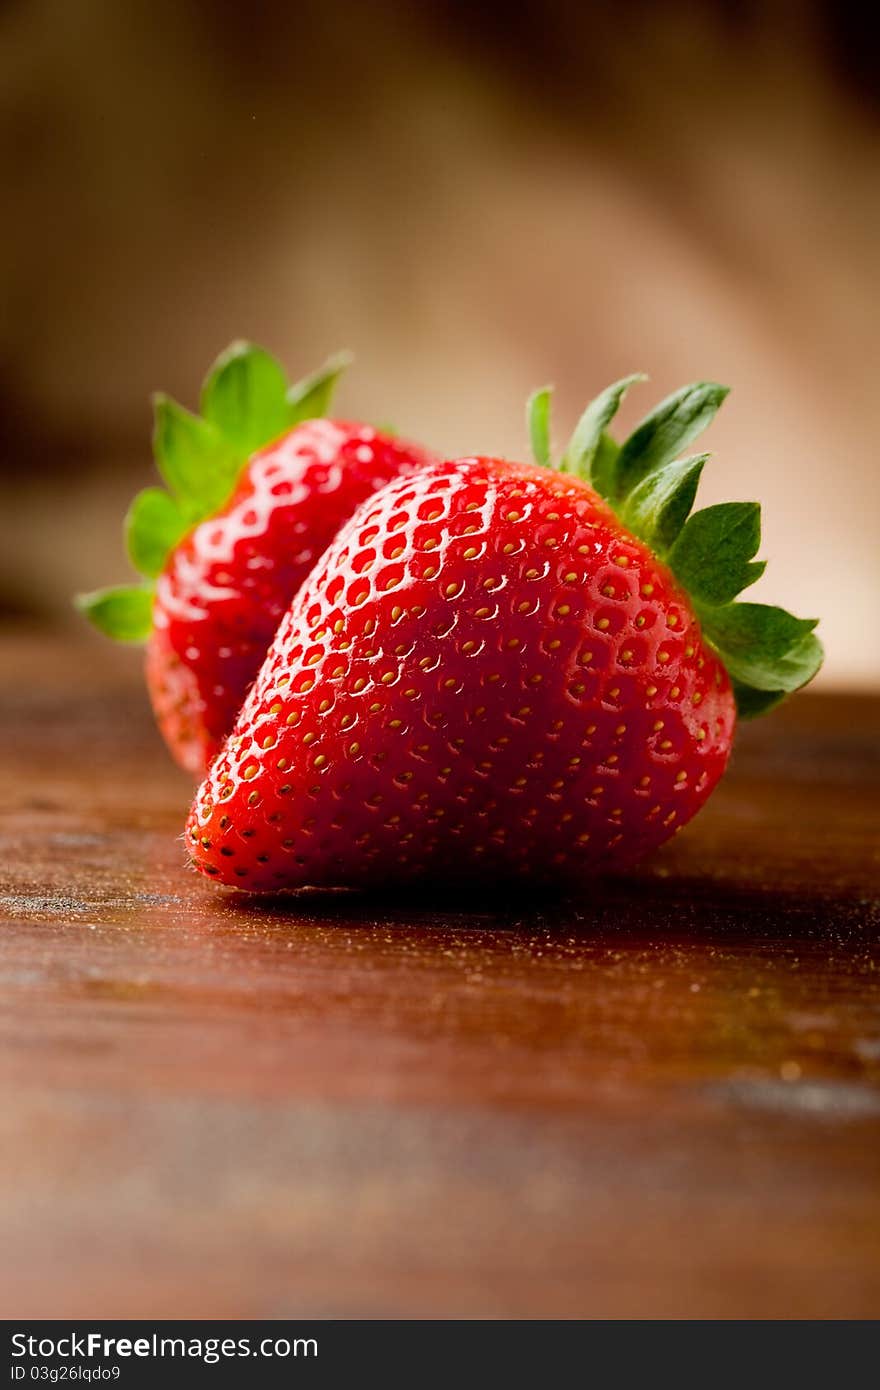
(246, 402)
(767, 651)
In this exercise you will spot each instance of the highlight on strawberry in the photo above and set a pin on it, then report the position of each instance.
(256, 486)
(503, 670)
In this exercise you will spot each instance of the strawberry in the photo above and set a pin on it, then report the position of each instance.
(501, 669)
(225, 568)
(228, 583)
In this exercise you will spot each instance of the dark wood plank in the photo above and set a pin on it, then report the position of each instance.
(659, 1099)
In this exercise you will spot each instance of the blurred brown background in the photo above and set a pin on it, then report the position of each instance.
(475, 199)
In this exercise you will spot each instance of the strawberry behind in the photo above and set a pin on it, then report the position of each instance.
(256, 487)
(227, 585)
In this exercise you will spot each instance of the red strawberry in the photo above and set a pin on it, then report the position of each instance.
(494, 671)
(223, 585)
(226, 586)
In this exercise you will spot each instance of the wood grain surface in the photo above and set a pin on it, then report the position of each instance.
(662, 1098)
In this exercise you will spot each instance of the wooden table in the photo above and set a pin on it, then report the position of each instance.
(661, 1099)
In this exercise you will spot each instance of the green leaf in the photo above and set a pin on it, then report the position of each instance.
(758, 628)
(125, 613)
(669, 428)
(659, 505)
(538, 419)
(310, 398)
(711, 556)
(767, 651)
(154, 524)
(763, 646)
(198, 465)
(584, 443)
(792, 671)
(799, 665)
(246, 404)
(245, 397)
(751, 703)
(605, 464)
